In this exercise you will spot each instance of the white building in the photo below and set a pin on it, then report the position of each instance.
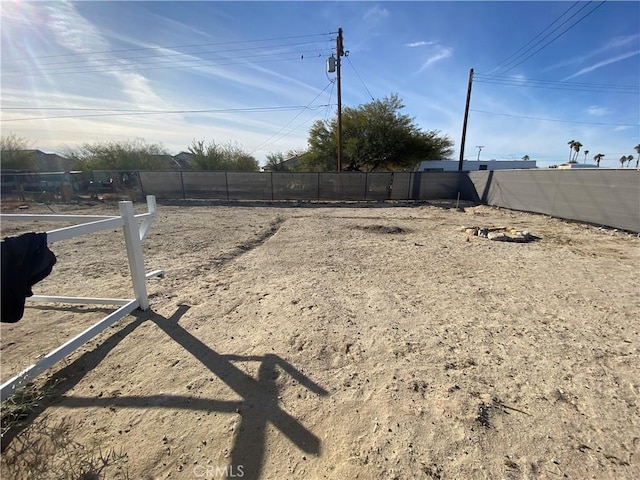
(566, 166)
(474, 165)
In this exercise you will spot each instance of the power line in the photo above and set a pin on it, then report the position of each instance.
(291, 121)
(132, 68)
(555, 81)
(326, 115)
(170, 47)
(555, 38)
(106, 62)
(122, 112)
(534, 38)
(293, 129)
(555, 85)
(556, 120)
(363, 84)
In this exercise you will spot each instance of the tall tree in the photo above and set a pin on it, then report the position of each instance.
(376, 136)
(586, 152)
(576, 149)
(623, 159)
(571, 143)
(597, 158)
(15, 154)
(629, 158)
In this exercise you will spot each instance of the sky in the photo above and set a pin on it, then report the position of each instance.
(254, 73)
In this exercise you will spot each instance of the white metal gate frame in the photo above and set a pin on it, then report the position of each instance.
(133, 235)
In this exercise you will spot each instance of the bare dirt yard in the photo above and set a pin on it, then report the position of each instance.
(337, 342)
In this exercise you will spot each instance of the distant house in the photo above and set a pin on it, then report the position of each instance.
(567, 166)
(474, 165)
(182, 160)
(51, 162)
(290, 164)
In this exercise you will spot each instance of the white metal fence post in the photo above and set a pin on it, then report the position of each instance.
(134, 252)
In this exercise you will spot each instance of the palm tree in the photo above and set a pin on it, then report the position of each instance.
(571, 143)
(623, 159)
(629, 158)
(525, 158)
(576, 148)
(597, 158)
(586, 152)
(637, 148)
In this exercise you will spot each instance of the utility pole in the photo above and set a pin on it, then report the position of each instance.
(464, 125)
(340, 53)
(479, 147)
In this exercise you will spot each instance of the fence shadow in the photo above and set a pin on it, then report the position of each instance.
(258, 407)
(61, 382)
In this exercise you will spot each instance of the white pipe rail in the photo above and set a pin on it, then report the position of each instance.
(133, 235)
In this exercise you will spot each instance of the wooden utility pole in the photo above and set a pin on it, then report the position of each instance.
(340, 52)
(464, 124)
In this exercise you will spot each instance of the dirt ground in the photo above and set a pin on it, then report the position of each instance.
(342, 342)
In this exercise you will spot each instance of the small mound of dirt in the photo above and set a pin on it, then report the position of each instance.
(382, 229)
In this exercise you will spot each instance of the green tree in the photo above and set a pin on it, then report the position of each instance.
(121, 155)
(275, 162)
(15, 154)
(237, 159)
(629, 158)
(623, 159)
(205, 157)
(215, 156)
(526, 158)
(376, 136)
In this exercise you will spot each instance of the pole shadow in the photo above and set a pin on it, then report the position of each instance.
(258, 407)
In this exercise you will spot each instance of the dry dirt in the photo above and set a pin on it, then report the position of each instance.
(341, 343)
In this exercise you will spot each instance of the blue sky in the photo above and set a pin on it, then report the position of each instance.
(254, 72)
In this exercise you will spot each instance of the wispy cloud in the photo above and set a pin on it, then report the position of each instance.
(441, 54)
(376, 13)
(612, 44)
(598, 111)
(602, 64)
(72, 31)
(421, 43)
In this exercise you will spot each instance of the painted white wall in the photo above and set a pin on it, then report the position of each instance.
(474, 165)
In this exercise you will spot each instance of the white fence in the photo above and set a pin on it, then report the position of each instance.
(133, 234)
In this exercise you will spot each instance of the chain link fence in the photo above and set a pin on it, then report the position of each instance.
(303, 186)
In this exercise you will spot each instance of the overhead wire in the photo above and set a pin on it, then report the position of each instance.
(170, 47)
(292, 120)
(556, 85)
(555, 120)
(554, 38)
(326, 115)
(132, 68)
(360, 78)
(124, 112)
(534, 38)
(106, 62)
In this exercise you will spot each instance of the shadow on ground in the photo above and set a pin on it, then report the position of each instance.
(258, 407)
